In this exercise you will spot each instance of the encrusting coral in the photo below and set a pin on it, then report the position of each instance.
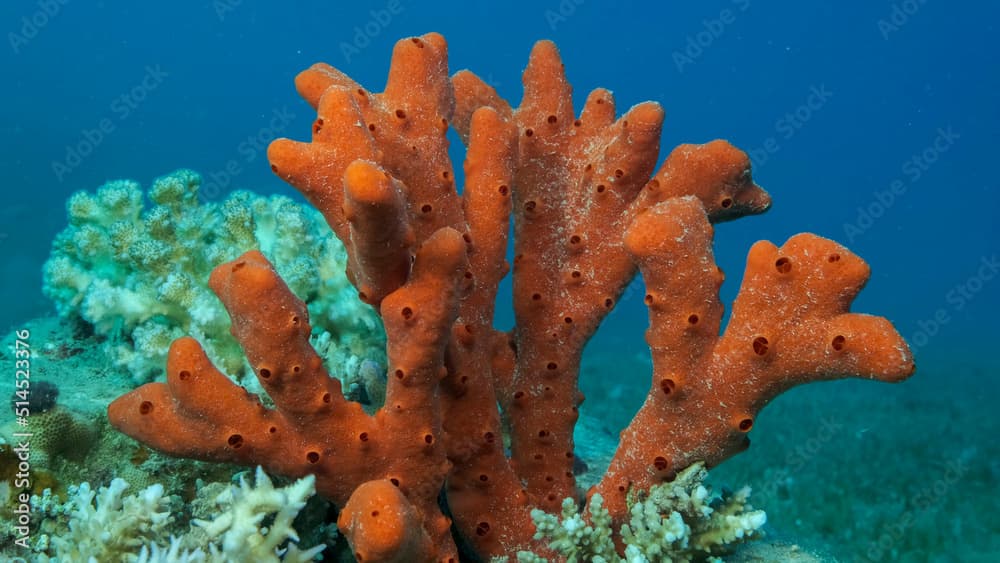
(139, 275)
(431, 260)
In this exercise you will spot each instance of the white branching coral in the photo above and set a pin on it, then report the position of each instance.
(107, 525)
(573, 537)
(673, 522)
(237, 533)
(251, 523)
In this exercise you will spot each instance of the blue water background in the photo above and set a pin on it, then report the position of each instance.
(881, 94)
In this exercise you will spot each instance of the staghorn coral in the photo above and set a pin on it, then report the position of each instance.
(138, 275)
(431, 259)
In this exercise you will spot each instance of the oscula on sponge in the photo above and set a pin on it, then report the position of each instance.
(139, 275)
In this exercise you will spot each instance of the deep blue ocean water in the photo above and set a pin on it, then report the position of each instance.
(872, 123)
(834, 105)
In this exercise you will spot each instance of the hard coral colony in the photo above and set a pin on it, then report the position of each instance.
(431, 260)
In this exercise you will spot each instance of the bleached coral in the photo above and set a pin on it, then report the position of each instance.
(140, 276)
(673, 522)
(250, 523)
(237, 533)
(107, 525)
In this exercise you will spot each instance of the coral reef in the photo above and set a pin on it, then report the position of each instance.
(247, 523)
(677, 521)
(138, 275)
(238, 532)
(106, 524)
(431, 260)
(71, 440)
(58, 434)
